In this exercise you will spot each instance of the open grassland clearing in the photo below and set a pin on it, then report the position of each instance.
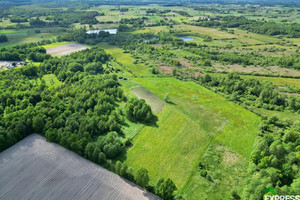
(226, 171)
(194, 118)
(276, 80)
(249, 36)
(154, 29)
(166, 150)
(66, 49)
(127, 62)
(56, 44)
(8, 23)
(286, 114)
(295, 40)
(48, 171)
(214, 33)
(12, 32)
(264, 48)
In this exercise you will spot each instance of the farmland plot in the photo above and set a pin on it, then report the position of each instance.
(36, 169)
(66, 49)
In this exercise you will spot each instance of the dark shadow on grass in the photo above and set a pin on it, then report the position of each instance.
(170, 102)
(152, 122)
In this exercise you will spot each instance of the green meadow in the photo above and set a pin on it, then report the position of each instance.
(194, 118)
(29, 35)
(56, 44)
(127, 62)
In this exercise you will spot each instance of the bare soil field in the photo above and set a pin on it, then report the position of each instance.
(165, 69)
(66, 49)
(4, 63)
(197, 74)
(142, 93)
(185, 63)
(36, 169)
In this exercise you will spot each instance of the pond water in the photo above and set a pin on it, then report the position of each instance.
(186, 38)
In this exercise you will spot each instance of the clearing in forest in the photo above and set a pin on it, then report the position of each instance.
(194, 119)
(127, 62)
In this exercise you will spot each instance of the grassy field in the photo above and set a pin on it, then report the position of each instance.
(227, 170)
(29, 35)
(56, 44)
(12, 31)
(195, 118)
(126, 60)
(276, 80)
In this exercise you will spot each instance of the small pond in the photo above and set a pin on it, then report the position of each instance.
(186, 38)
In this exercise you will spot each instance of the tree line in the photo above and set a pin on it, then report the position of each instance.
(22, 52)
(251, 92)
(275, 159)
(262, 27)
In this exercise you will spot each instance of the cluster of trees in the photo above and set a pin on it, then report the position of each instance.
(71, 68)
(82, 17)
(18, 19)
(80, 35)
(3, 38)
(138, 110)
(261, 27)
(245, 59)
(156, 11)
(25, 51)
(275, 159)
(183, 13)
(53, 17)
(251, 92)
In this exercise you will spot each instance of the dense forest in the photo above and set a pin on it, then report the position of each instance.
(84, 114)
(29, 51)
